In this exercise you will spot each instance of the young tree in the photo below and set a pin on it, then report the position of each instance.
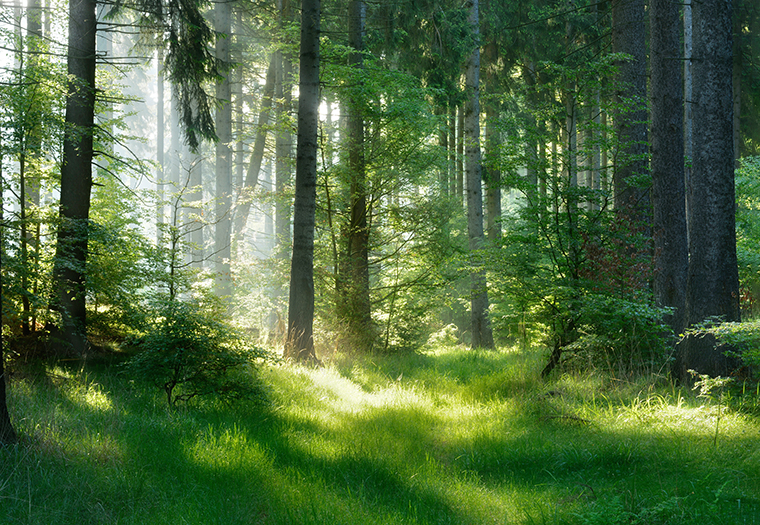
(300, 338)
(482, 336)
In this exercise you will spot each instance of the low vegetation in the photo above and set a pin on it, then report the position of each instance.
(447, 435)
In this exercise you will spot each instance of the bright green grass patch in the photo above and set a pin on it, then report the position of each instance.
(446, 436)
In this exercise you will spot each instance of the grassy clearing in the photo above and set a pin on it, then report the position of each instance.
(447, 436)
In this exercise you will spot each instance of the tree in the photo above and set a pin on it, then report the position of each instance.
(671, 258)
(76, 176)
(257, 153)
(713, 282)
(482, 335)
(354, 281)
(300, 337)
(223, 125)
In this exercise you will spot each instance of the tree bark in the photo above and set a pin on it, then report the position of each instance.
(300, 337)
(283, 154)
(357, 309)
(671, 258)
(713, 282)
(69, 272)
(223, 125)
(482, 335)
(160, 148)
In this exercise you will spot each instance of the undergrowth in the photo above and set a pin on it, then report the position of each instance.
(449, 436)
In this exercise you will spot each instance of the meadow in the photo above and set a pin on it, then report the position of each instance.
(443, 436)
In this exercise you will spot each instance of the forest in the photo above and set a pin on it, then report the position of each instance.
(379, 261)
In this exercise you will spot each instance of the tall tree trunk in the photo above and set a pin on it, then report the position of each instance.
(223, 125)
(713, 282)
(629, 37)
(69, 271)
(482, 336)
(283, 170)
(355, 289)
(160, 147)
(245, 195)
(460, 154)
(671, 258)
(300, 337)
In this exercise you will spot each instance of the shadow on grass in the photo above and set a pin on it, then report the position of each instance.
(95, 454)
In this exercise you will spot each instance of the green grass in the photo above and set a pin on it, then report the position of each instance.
(447, 436)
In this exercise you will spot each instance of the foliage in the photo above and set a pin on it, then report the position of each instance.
(191, 352)
(706, 386)
(743, 337)
(568, 266)
(748, 232)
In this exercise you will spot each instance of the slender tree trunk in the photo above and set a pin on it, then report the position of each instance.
(160, 147)
(482, 335)
(69, 271)
(245, 196)
(300, 337)
(283, 152)
(671, 258)
(223, 124)
(713, 282)
(460, 154)
(453, 151)
(357, 308)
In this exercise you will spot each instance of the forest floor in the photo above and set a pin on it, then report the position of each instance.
(446, 436)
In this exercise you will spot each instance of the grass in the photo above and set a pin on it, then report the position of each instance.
(446, 436)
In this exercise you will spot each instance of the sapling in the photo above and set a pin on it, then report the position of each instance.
(706, 385)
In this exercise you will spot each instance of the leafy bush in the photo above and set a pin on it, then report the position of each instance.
(744, 338)
(624, 334)
(191, 352)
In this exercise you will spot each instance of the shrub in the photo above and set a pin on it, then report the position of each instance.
(191, 352)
